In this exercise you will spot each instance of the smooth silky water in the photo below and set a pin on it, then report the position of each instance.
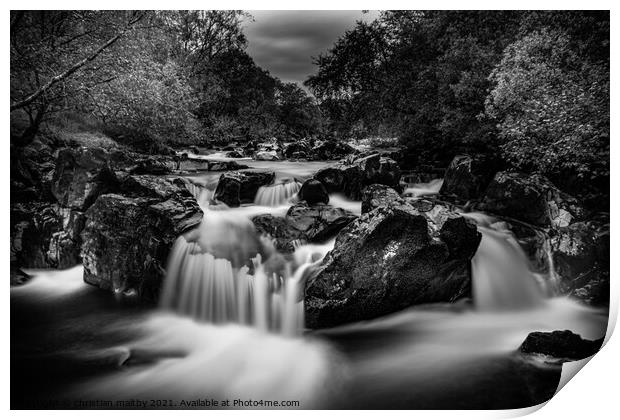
(230, 326)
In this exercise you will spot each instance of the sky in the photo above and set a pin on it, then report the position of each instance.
(284, 41)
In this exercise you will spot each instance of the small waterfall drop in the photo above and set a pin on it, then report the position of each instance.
(278, 194)
(424, 188)
(202, 194)
(223, 272)
(501, 274)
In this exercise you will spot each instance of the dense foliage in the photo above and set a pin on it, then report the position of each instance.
(531, 87)
(166, 76)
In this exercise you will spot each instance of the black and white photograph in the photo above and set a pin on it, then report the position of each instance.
(306, 209)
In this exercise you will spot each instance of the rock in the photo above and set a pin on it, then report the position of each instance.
(18, 277)
(235, 154)
(531, 198)
(350, 179)
(302, 223)
(280, 230)
(313, 192)
(266, 155)
(297, 149)
(235, 188)
(32, 168)
(81, 175)
(331, 150)
(580, 255)
(318, 222)
(377, 195)
(126, 239)
(467, 177)
(225, 166)
(45, 235)
(344, 179)
(65, 245)
(563, 345)
(383, 262)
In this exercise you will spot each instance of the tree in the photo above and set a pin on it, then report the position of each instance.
(57, 54)
(551, 104)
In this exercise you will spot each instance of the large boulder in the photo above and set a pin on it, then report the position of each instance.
(318, 222)
(298, 150)
(45, 235)
(81, 175)
(127, 238)
(532, 199)
(331, 150)
(387, 260)
(378, 195)
(32, 169)
(266, 155)
(563, 345)
(279, 230)
(236, 188)
(302, 223)
(467, 177)
(313, 192)
(350, 179)
(580, 254)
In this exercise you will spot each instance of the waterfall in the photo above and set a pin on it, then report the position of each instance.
(275, 195)
(202, 194)
(424, 188)
(216, 274)
(501, 275)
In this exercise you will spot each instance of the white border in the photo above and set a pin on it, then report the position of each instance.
(592, 395)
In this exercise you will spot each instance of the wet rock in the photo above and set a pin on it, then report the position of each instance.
(350, 179)
(266, 155)
(531, 198)
(235, 188)
(278, 229)
(126, 239)
(65, 245)
(32, 168)
(318, 222)
(383, 262)
(563, 345)
(45, 235)
(344, 179)
(580, 255)
(298, 149)
(467, 177)
(331, 150)
(377, 195)
(18, 277)
(313, 192)
(81, 175)
(226, 166)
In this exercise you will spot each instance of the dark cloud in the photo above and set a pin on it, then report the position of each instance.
(284, 42)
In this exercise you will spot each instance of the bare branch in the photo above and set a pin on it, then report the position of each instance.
(54, 80)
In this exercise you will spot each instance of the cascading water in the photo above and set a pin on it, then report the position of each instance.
(501, 274)
(278, 194)
(203, 195)
(424, 188)
(216, 272)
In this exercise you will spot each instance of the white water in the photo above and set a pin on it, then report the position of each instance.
(502, 278)
(424, 188)
(197, 348)
(276, 195)
(217, 273)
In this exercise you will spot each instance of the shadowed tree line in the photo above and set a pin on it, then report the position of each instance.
(147, 77)
(530, 87)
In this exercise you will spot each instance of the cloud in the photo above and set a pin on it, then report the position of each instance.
(285, 41)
